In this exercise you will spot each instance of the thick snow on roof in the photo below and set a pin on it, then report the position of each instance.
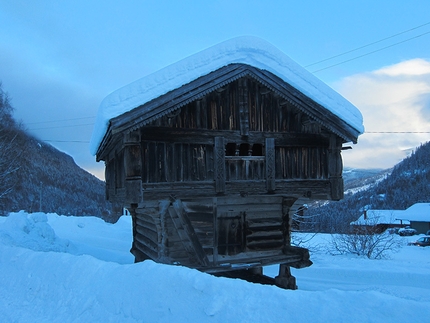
(419, 212)
(374, 217)
(247, 50)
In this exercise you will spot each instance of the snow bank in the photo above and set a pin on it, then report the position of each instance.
(31, 231)
(105, 241)
(248, 50)
(38, 286)
(62, 288)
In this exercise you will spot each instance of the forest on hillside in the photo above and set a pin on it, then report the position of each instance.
(35, 176)
(407, 184)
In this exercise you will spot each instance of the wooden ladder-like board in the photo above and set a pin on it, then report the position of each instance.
(187, 234)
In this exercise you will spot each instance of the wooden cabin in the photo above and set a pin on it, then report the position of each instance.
(212, 171)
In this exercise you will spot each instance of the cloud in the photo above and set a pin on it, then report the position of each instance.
(394, 98)
(413, 67)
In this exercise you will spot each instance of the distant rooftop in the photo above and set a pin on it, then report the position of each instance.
(419, 212)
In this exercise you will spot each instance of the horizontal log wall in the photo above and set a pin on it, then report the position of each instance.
(222, 230)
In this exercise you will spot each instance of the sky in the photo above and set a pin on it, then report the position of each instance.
(59, 59)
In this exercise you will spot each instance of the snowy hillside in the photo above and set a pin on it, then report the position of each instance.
(78, 269)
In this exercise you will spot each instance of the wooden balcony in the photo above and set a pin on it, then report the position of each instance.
(245, 168)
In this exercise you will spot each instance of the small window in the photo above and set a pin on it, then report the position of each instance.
(257, 150)
(230, 149)
(245, 149)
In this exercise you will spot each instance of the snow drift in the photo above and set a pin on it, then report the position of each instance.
(57, 271)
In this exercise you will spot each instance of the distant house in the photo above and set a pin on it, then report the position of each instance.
(380, 220)
(417, 216)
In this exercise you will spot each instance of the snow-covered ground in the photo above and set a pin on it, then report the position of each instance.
(79, 269)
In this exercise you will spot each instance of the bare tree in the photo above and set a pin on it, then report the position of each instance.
(8, 147)
(365, 241)
(8, 165)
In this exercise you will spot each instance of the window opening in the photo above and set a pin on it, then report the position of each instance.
(245, 149)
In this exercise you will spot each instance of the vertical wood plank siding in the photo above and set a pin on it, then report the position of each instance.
(176, 162)
(243, 105)
(246, 101)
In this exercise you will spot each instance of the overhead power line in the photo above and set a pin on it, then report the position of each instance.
(366, 132)
(62, 120)
(372, 52)
(367, 45)
(67, 126)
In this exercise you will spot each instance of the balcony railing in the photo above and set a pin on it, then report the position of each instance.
(245, 168)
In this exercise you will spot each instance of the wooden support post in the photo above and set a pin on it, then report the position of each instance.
(335, 167)
(270, 164)
(243, 107)
(285, 279)
(219, 165)
(215, 230)
(133, 168)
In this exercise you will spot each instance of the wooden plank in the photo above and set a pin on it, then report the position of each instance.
(205, 137)
(243, 107)
(215, 230)
(265, 245)
(335, 168)
(145, 223)
(170, 162)
(148, 243)
(320, 189)
(264, 224)
(265, 235)
(203, 206)
(151, 235)
(143, 247)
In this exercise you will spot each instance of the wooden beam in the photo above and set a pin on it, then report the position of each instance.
(243, 107)
(219, 165)
(270, 164)
(215, 231)
(205, 137)
(335, 167)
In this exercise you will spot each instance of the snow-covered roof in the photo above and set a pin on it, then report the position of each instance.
(419, 212)
(246, 50)
(374, 217)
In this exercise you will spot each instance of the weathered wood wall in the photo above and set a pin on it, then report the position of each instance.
(244, 103)
(213, 233)
(260, 138)
(213, 185)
